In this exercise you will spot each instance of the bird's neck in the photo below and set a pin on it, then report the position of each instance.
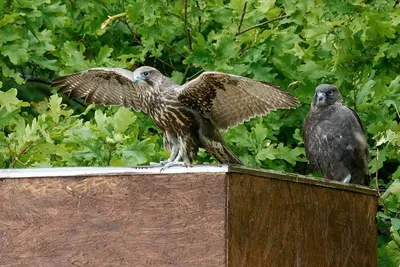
(167, 84)
(319, 107)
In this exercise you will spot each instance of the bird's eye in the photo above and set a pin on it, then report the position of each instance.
(145, 74)
(330, 92)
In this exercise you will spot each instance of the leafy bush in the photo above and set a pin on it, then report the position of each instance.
(353, 44)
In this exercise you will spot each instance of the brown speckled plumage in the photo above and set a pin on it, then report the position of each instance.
(189, 115)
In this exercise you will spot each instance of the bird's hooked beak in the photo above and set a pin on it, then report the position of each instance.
(320, 97)
(137, 78)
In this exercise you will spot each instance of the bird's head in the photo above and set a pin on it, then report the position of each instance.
(147, 74)
(325, 95)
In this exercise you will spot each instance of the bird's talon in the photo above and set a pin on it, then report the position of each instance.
(170, 164)
(161, 163)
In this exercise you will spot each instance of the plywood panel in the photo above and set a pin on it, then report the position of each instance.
(138, 220)
(274, 222)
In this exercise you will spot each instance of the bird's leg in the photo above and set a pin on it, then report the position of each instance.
(174, 162)
(347, 179)
(182, 154)
(174, 153)
(172, 145)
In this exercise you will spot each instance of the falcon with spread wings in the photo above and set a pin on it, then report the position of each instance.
(334, 138)
(189, 115)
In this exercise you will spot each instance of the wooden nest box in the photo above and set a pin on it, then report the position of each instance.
(206, 215)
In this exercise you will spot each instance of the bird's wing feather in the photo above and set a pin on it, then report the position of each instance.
(108, 86)
(362, 150)
(358, 119)
(229, 99)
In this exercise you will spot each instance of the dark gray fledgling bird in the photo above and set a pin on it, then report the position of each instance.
(189, 115)
(334, 138)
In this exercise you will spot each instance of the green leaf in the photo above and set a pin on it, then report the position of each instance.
(365, 90)
(238, 5)
(122, 119)
(313, 71)
(10, 101)
(7, 72)
(378, 27)
(104, 54)
(388, 255)
(177, 77)
(264, 6)
(395, 223)
(266, 153)
(134, 11)
(17, 52)
(382, 50)
(391, 203)
(394, 189)
(394, 50)
(72, 55)
(260, 133)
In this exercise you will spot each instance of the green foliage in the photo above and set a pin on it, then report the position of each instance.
(56, 137)
(353, 44)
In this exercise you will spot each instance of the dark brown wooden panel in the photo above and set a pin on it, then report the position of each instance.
(274, 222)
(139, 220)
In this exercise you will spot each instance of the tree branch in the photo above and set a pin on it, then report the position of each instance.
(261, 24)
(241, 51)
(397, 110)
(23, 149)
(112, 18)
(189, 37)
(241, 18)
(376, 172)
(292, 84)
(195, 75)
(163, 62)
(186, 71)
(199, 17)
(173, 49)
(37, 80)
(353, 83)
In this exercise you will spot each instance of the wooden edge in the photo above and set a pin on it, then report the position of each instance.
(101, 171)
(303, 179)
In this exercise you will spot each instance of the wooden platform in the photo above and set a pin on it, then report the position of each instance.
(196, 216)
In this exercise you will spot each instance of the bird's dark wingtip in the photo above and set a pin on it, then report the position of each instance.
(62, 84)
(63, 80)
(56, 83)
(271, 85)
(59, 82)
(292, 102)
(296, 102)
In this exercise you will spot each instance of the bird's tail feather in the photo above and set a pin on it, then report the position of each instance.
(226, 156)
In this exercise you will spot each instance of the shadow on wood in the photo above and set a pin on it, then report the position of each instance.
(198, 216)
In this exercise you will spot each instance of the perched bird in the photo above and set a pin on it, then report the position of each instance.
(334, 138)
(189, 115)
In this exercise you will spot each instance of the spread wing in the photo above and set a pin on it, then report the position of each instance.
(228, 100)
(108, 86)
